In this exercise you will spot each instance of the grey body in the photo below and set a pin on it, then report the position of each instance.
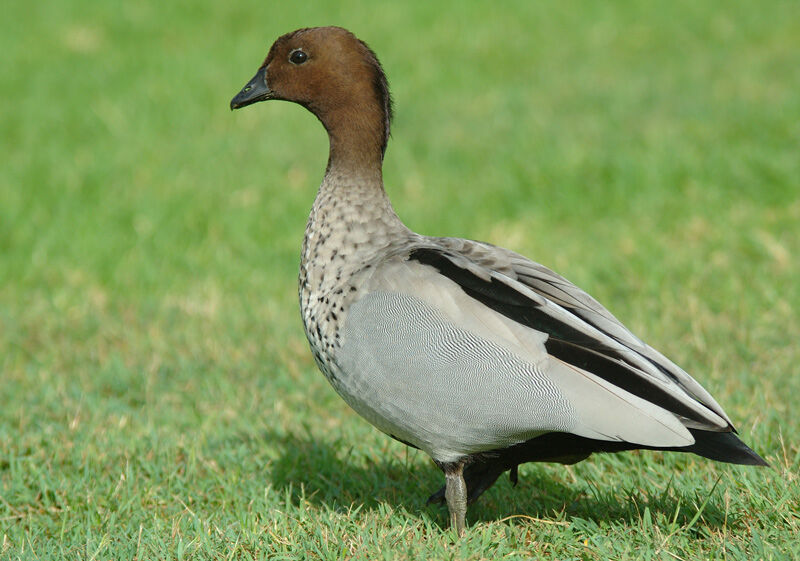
(423, 361)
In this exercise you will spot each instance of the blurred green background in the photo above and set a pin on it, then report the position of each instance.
(157, 397)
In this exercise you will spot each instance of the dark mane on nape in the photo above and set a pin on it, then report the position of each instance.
(381, 85)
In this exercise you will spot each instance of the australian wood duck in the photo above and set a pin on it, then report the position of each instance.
(470, 352)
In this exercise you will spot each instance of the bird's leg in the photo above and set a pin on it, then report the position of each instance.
(456, 495)
(478, 475)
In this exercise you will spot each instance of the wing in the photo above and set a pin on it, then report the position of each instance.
(571, 298)
(455, 357)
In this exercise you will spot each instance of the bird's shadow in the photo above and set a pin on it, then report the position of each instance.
(326, 473)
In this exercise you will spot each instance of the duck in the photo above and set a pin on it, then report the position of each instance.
(469, 352)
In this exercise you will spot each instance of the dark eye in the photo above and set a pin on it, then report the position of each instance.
(297, 56)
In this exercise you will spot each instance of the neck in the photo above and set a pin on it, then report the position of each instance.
(352, 194)
(357, 135)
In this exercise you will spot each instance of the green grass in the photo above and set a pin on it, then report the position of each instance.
(157, 397)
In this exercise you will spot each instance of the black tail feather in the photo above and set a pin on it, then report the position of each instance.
(569, 448)
(484, 468)
(722, 447)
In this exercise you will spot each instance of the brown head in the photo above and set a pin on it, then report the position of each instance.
(337, 77)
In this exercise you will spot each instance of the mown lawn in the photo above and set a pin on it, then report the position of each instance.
(157, 397)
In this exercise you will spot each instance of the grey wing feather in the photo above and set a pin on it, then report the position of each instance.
(434, 367)
(565, 294)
